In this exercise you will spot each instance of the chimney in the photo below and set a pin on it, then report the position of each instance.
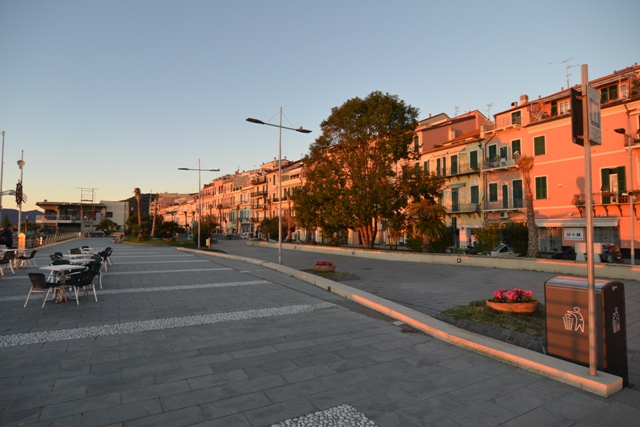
(452, 133)
(524, 99)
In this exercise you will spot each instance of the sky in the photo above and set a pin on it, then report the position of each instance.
(102, 96)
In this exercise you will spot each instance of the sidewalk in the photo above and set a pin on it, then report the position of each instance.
(183, 338)
(431, 288)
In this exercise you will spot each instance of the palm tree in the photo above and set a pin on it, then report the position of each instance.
(525, 163)
(155, 212)
(427, 221)
(138, 195)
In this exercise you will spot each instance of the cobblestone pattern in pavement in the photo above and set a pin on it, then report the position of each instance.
(253, 371)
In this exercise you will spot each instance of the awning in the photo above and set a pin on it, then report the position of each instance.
(576, 222)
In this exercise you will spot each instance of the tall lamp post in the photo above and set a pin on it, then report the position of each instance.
(301, 130)
(19, 194)
(631, 141)
(199, 194)
(1, 174)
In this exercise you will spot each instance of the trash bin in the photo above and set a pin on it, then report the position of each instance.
(567, 316)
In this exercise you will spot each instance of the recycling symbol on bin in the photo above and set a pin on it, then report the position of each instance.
(573, 320)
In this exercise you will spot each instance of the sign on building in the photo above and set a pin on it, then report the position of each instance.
(574, 234)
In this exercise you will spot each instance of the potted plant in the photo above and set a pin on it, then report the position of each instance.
(324, 266)
(515, 301)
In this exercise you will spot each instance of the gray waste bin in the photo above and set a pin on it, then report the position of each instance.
(567, 317)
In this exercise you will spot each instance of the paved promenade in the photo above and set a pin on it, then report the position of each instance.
(178, 338)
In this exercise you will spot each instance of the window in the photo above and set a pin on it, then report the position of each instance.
(455, 207)
(541, 187)
(518, 200)
(493, 152)
(474, 194)
(503, 152)
(614, 183)
(438, 167)
(473, 160)
(444, 166)
(493, 192)
(515, 148)
(109, 214)
(539, 146)
(608, 94)
(426, 167)
(516, 117)
(454, 165)
(417, 169)
(416, 144)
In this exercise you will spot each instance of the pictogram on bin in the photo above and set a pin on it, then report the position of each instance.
(567, 317)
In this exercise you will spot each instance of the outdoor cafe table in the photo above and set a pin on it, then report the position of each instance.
(57, 271)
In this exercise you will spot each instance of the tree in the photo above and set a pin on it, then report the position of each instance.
(350, 169)
(525, 163)
(107, 226)
(139, 225)
(208, 223)
(427, 219)
(155, 214)
(487, 237)
(5, 221)
(138, 195)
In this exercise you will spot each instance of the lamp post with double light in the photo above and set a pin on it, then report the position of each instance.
(630, 144)
(199, 194)
(301, 130)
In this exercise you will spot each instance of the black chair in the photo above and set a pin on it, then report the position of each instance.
(83, 282)
(40, 285)
(75, 251)
(96, 266)
(7, 261)
(28, 259)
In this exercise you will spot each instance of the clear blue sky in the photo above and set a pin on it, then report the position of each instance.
(116, 94)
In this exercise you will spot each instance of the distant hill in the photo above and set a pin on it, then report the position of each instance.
(12, 214)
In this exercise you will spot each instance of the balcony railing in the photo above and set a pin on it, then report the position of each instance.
(512, 204)
(605, 198)
(259, 180)
(463, 207)
(500, 163)
(462, 169)
(259, 193)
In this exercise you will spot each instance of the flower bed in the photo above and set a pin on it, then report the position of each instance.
(515, 301)
(324, 266)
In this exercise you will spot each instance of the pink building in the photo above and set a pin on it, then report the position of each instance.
(542, 128)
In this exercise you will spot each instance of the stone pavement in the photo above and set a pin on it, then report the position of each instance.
(186, 339)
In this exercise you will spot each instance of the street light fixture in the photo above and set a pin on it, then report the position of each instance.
(301, 130)
(629, 144)
(19, 194)
(199, 194)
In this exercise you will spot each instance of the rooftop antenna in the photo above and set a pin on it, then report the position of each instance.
(489, 105)
(567, 67)
(456, 110)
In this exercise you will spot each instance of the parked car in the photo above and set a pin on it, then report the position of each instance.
(502, 250)
(568, 253)
(611, 254)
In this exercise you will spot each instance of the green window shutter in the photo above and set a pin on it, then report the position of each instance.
(539, 145)
(541, 187)
(426, 167)
(416, 144)
(438, 167)
(417, 167)
(474, 194)
(444, 166)
(454, 165)
(518, 199)
(622, 180)
(604, 175)
(493, 192)
(493, 151)
(473, 160)
(554, 108)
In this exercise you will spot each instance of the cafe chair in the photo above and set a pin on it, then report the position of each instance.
(75, 251)
(7, 261)
(96, 266)
(82, 282)
(28, 259)
(40, 285)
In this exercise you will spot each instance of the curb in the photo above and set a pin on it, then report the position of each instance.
(603, 384)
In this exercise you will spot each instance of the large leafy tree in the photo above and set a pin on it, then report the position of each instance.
(351, 166)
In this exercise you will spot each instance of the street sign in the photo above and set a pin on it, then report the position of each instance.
(595, 124)
(577, 130)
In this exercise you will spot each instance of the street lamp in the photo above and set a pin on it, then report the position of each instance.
(301, 130)
(199, 195)
(631, 141)
(1, 173)
(19, 194)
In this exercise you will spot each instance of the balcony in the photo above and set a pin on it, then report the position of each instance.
(259, 180)
(502, 123)
(606, 199)
(259, 193)
(500, 163)
(502, 205)
(463, 208)
(463, 169)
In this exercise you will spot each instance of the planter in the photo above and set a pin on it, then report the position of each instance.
(324, 268)
(514, 307)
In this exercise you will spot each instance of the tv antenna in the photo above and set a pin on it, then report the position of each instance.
(489, 105)
(567, 67)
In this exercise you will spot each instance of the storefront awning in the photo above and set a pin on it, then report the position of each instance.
(576, 222)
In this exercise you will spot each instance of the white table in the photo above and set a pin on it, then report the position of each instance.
(56, 271)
